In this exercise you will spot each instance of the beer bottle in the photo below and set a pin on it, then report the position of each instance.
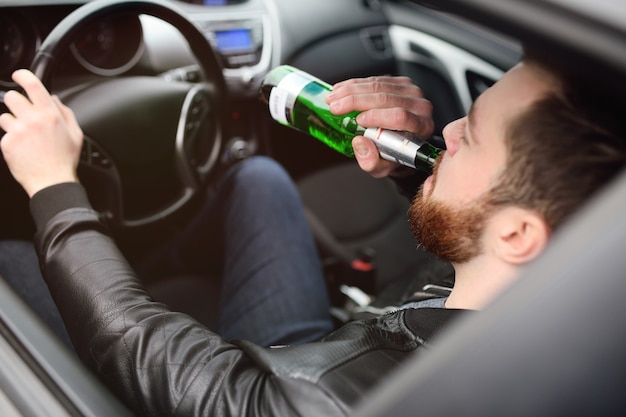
(298, 100)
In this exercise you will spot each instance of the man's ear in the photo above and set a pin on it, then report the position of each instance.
(520, 235)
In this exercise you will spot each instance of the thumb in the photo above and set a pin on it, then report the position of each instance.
(364, 148)
(368, 157)
(366, 154)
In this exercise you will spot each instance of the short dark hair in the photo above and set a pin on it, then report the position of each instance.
(562, 149)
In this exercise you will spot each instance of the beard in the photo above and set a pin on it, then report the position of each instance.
(452, 234)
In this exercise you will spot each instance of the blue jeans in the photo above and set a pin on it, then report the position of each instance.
(272, 287)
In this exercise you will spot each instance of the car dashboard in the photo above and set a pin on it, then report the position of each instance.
(239, 31)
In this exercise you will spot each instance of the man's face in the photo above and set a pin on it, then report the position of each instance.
(450, 212)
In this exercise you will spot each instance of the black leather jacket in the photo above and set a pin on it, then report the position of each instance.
(162, 362)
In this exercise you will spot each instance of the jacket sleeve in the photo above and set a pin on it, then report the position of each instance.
(158, 361)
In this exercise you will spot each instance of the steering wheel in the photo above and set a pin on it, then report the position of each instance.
(150, 142)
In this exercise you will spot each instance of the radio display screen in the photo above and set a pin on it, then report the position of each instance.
(233, 40)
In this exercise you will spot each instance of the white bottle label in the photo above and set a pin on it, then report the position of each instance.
(284, 95)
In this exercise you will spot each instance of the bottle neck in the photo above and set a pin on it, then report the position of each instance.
(349, 123)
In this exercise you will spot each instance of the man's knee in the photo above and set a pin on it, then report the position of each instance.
(261, 173)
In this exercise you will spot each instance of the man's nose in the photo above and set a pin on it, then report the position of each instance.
(450, 136)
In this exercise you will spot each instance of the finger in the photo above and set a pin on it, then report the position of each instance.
(411, 100)
(36, 91)
(7, 121)
(369, 159)
(418, 121)
(17, 103)
(369, 80)
(377, 88)
(362, 102)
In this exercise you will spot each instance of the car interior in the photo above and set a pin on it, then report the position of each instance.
(147, 178)
(167, 94)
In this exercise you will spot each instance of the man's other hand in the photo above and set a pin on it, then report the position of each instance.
(43, 141)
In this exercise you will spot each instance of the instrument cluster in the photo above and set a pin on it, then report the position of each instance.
(107, 48)
(19, 39)
(111, 46)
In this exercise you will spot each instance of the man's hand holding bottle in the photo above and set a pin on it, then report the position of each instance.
(394, 103)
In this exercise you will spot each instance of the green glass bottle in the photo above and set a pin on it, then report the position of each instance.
(298, 100)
